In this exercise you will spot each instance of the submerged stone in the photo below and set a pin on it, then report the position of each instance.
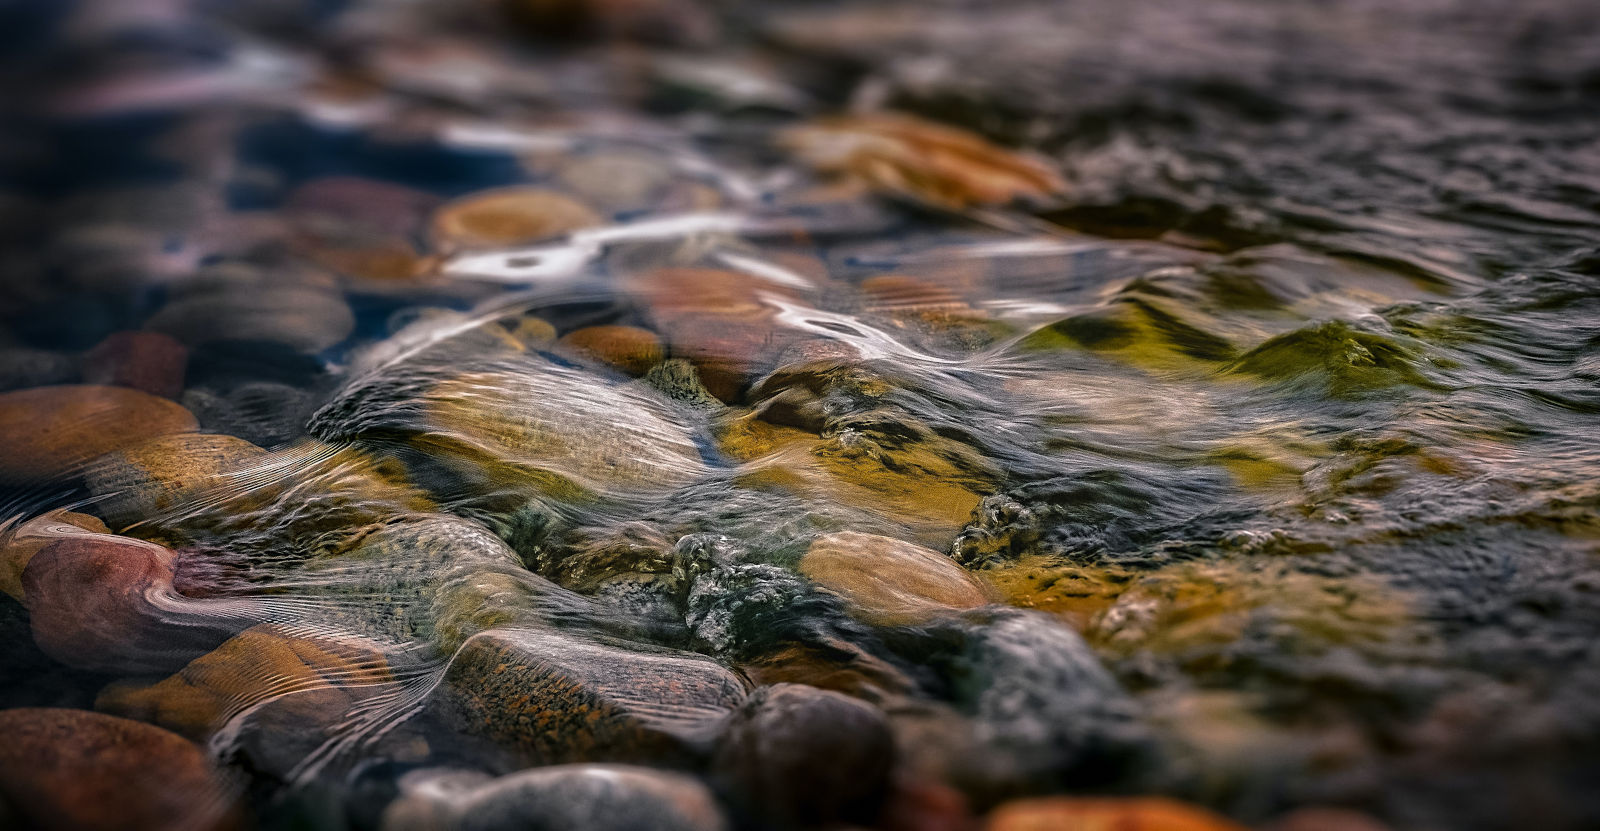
(889, 581)
(557, 798)
(51, 432)
(551, 697)
(1124, 814)
(81, 771)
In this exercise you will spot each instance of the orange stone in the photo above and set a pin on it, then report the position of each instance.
(50, 432)
(890, 581)
(1096, 814)
(509, 216)
(628, 348)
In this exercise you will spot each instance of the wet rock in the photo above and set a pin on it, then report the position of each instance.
(305, 318)
(142, 481)
(343, 206)
(49, 432)
(281, 694)
(146, 361)
(552, 697)
(1043, 703)
(724, 322)
(628, 348)
(679, 381)
(742, 610)
(1325, 819)
(799, 756)
(617, 181)
(598, 797)
(928, 162)
(507, 217)
(526, 424)
(19, 544)
(1131, 814)
(107, 603)
(889, 581)
(22, 367)
(80, 771)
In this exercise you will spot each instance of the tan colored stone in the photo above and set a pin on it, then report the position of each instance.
(1108, 814)
(259, 663)
(142, 481)
(628, 348)
(50, 432)
(890, 581)
(508, 216)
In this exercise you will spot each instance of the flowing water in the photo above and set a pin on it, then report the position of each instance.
(548, 388)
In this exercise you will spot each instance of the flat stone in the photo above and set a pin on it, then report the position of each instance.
(306, 318)
(507, 217)
(1129, 814)
(890, 581)
(51, 432)
(80, 771)
(140, 482)
(628, 348)
(590, 797)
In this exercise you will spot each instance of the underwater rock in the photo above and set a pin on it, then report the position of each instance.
(1122, 814)
(1325, 819)
(49, 432)
(552, 697)
(557, 798)
(679, 381)
(1041, 699)
(795, 756)
(932, 163)
(628, 348)
(80, 771)
(146, 361)
(18, 545)
(889, 581)
(305, 318)
(724, 322)
(281, 695)
(523, 423)
(107, 603)
(506, 217)
(142, 481)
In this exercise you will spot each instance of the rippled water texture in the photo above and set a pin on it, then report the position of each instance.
(656, 414)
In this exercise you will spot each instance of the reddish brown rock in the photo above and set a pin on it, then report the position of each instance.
(891, 581)
(18, 545)
(106, 603)
(724, 322)
(50, 432)
(628, 348)
(73, 770)
(146, 361)
(137, 483)
(1095, 814)
(798, 756)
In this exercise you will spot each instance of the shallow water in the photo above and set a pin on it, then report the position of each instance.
(1256, 449)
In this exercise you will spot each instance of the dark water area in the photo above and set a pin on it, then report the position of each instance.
(660, 414)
